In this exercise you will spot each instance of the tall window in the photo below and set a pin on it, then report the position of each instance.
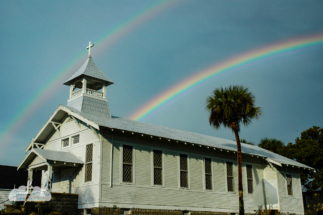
(208, 174)
(230, 176)
(289, 184)
(158, 167)
(249, 178)
(127, 163)
(88, 162)
(183, 171)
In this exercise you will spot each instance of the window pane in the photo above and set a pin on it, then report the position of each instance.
(76, 139)
(230, 176)
(127, 154)
(88, 172)
(289, 184)
(183, 162)
(89, 153)
(157, 159)
(208, 182)
(230, 184)
(158, 176)
(127, 163)
(158, 163)
(207, 165)
(229, 169)
(249, 179)
(127, 173)
(65, 142)
(250, 186)
(183, 179)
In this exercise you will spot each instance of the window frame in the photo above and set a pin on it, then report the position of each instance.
(72, 139)
(204, 174)
(153, 167)
(90, 162)
(252, 178)
(226, 176)
(291, 177)
(121, 145)
(187, 171)
(67, 138)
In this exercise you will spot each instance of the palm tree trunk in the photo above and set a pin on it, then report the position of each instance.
(239, 159)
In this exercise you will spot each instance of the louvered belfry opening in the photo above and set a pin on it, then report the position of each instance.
(289, 184)
(88, 162)
(127, 163)
(208, 174)
(158, 167)
(249, 179)
(230, 176)
(183, 171)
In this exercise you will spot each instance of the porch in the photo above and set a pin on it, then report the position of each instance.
(56, 165)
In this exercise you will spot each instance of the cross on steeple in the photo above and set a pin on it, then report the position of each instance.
(89, 48)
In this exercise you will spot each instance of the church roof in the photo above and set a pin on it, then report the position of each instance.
(91, 70)
(184, 136)
(47, 155)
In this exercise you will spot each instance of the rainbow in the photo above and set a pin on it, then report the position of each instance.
(200, 77)
(50, 86)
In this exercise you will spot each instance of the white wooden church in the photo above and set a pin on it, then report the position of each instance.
(116, 162)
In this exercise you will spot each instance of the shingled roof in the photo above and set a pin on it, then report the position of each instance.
(91, 70)
(184, 136)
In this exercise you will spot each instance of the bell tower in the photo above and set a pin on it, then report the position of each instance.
(88, 88)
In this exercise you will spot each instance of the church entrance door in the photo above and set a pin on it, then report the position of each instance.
(67, 180)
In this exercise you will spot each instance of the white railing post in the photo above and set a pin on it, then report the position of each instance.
(71, 90)
(104, 90)
(84, 81)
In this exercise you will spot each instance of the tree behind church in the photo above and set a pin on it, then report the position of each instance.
(272, 145)
(308, 149)
(230, 107)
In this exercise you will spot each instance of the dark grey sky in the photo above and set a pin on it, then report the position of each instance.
(39, 38)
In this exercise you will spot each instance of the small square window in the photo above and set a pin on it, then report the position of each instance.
(65, 142)
(76, 139)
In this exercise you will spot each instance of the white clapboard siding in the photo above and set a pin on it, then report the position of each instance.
(143, 166)
(53, 145)
(87, 195)
(4, 194)
(297, 192)
(293, 202)
(69, 127)
(235, 175)
(196, 172)
(37, 160)
(171, 169)
(168, 197)
(219, 174)
(79, 176)
(116, 162)
(259, 174)
(96, 162)
(106, 161)
(244, 179)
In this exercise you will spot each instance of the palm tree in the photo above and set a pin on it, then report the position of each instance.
(229, 107)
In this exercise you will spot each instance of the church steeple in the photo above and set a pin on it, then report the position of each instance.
(88, 88)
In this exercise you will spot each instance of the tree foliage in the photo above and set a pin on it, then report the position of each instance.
(272, 145)
(230, 107)
(247, 142)
(308, 149)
